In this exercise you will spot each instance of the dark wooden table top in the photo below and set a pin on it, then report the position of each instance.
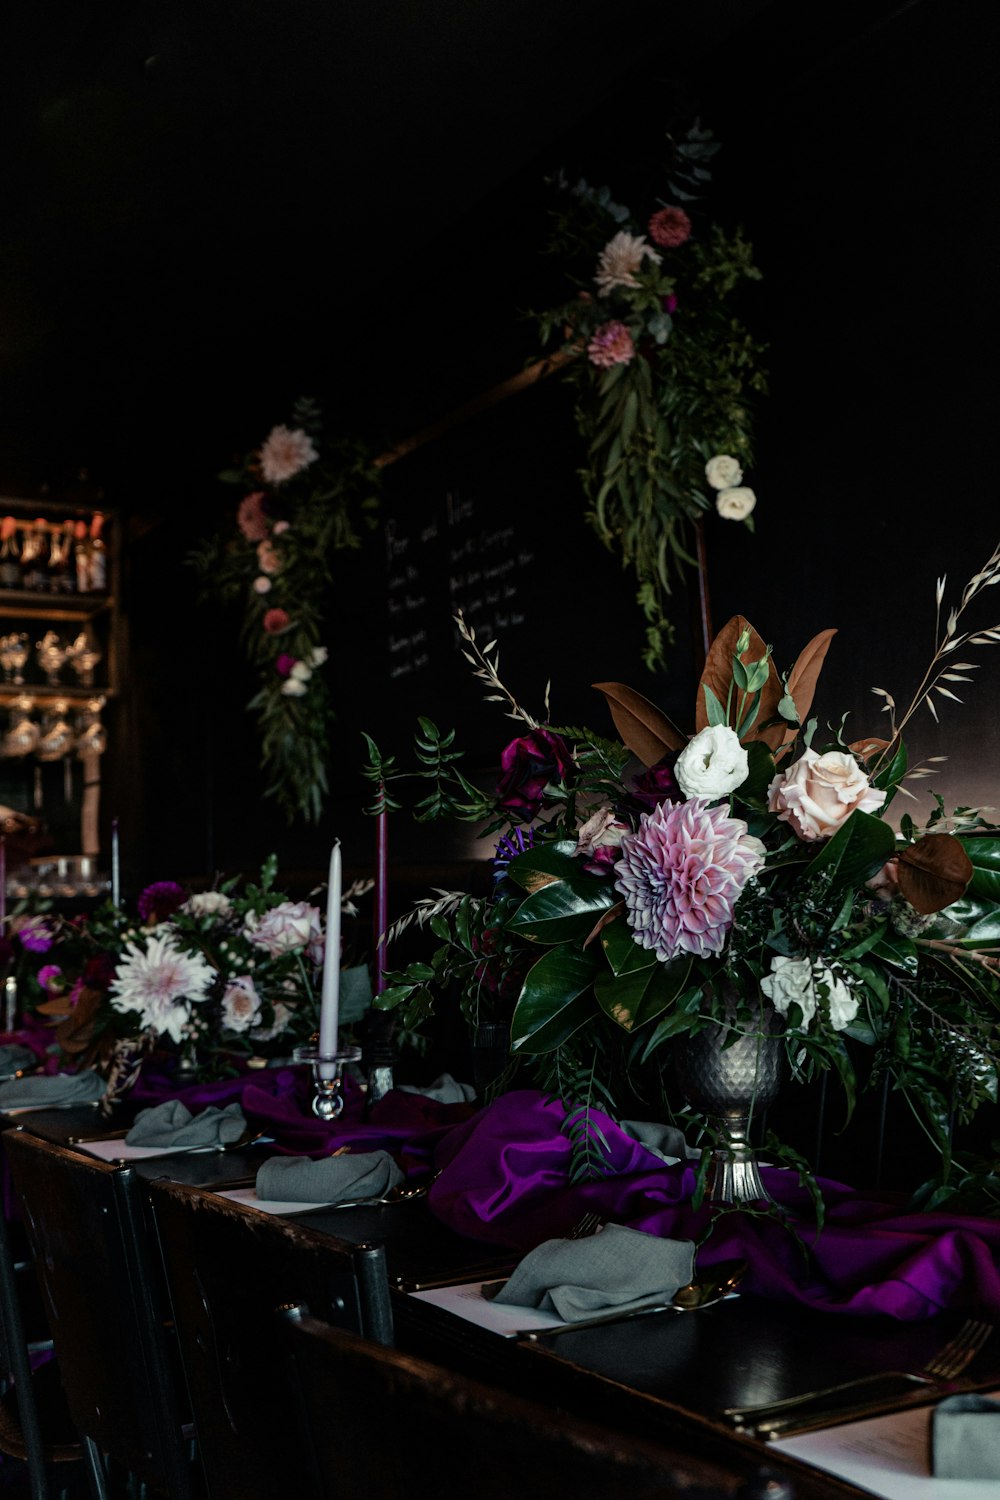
(667, 1376)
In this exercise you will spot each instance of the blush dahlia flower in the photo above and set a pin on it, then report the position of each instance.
(682, 873)
(285, 453)
(161, 983)
(620, 262)
(611, 345)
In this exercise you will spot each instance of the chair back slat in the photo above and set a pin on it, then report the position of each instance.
(105, 1303)
(227, 1268)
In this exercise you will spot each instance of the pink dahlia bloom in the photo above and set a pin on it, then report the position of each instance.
(682, 873)
(251, 517)
(275, 621)
(669, 227)
(611, 345)
(286, 451)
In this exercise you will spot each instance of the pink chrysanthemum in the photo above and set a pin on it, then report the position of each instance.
(611, 345)
(286, 451)
(669, 227)
(682, 873)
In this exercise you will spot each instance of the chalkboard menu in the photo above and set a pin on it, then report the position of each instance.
(488, 519)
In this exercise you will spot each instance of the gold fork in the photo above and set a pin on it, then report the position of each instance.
(944, 1366)
(585, 1227)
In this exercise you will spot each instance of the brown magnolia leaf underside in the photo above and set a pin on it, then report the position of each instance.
(804, 675)
(612, 913)
(866, 748)
(641, 726)
(718, 675)
(933, 872)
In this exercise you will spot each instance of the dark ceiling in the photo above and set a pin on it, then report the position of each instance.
(208, 208)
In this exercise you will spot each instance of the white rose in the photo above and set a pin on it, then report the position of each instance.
(240, 1004)
(713, 764)
(818, 793)
(293, 687)
(841, 1004)
(302, 671)
(318, 656)
(790, 982)
(735, 504)
(722, 470)
(207, 904)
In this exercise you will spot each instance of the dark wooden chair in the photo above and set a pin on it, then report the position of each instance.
(105, 1303)
(227, 1268)
(35, 1424)
(378, 1422)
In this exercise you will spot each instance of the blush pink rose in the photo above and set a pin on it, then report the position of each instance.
(275, 620)
(818, 793)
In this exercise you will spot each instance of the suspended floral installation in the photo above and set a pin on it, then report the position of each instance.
(665, 374)
(303, 499)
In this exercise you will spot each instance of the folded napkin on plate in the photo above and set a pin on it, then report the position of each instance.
(444, 1089)
(172, 1124)
(615, 1269)
(52, 1090)
(333, 1179)
(13, 1055)
(665, 1141)
(965, 1438)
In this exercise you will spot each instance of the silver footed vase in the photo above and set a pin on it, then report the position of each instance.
(731, 1082)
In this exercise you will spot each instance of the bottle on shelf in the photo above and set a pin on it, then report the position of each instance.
(34, 556)
(81, 557)
(98, 556)
(10, 554)
(61, 578)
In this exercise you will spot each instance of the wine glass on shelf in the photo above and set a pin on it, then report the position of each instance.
(13, 656)
(51, 651)
(91, 736)
(23, 733)
(56, 737)
(83, 656)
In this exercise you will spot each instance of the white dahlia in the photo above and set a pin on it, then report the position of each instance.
(161, 983)
(286, 451)
(621, 259)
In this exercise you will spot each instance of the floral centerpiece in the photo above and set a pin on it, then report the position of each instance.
(302, 500)
(654, 886)
(663, 369)
(205, 982)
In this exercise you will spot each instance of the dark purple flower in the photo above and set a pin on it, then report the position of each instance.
(50, 976)
(670, 303)
(657, 784)
(160, 900)
(283, 666)
(99, 971)
(529, 764)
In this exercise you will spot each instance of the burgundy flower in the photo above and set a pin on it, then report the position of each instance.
(275, 620)
(283, 666)
(669, 227)
(529, 764)
(670, 303)
(160, 900)
(99, 971)
(657, 784)
(251, 517)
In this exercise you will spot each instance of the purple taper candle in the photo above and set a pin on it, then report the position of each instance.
(381, 897)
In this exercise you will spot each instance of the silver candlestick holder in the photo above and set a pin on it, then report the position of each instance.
(328, 1077)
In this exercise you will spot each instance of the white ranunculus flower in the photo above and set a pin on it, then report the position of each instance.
(713, 764)
(293, 687)
(841, 1004)
(735, 504)
(791, 981)
(240, 1004)
(207, 904)
(722, 471)
(318, 656)
(302, 671)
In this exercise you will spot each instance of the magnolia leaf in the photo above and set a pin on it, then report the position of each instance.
(630, 1000)
(984, 852)
(933, 873)
(869, 746)
(644, 730)
(717, 678)
(560, 912)
(543, 864)
(621, 949)
(607, 917)
(858, 850)
(804, 675)
(554, 1000)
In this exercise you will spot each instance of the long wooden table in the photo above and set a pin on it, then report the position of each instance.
(662, 1377)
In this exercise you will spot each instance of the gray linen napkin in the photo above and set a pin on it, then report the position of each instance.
(333, 1179)
(615, 1269)
(52, 1090)
(172, 1124)
(665, 1141)
(965, 1438)
(13, 1056)
(444, 1089)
